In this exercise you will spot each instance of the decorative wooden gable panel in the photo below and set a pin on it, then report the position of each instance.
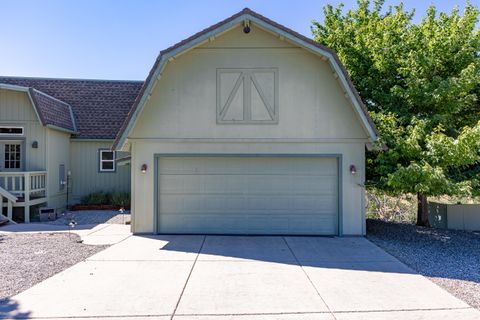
(247, 95)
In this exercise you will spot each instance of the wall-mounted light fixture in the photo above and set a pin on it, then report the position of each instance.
(144, 168)
(353, 169)
(35, 144)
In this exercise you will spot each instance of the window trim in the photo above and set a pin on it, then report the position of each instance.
(101, 161)
(12, 134)
(14, 161)
(248, 73)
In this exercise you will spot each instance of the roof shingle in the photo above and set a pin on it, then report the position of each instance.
(99, 106)
(53, 111)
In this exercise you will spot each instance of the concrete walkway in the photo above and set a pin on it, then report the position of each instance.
(227, 277)
(95, 234)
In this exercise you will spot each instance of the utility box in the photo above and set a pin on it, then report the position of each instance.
(47, 214)
(454, 216)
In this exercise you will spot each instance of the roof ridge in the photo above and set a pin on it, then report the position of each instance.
(49, 96)
(69, 79)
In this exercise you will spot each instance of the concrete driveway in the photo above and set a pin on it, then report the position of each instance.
(232, 277)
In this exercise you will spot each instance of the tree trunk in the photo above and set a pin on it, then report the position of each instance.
(422, 211)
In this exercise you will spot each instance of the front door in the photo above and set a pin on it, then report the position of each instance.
(11, 158)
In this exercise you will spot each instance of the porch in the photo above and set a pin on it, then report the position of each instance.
(22, 189)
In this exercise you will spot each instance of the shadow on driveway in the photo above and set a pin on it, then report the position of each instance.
(351, 253)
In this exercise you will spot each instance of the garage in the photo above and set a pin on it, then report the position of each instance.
(258, 132)
(248, 195)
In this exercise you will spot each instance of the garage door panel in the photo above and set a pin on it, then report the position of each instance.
(247, 195)
(240, 224)
(246, 184)
(205, 203)
(241, 165)
(324, 205)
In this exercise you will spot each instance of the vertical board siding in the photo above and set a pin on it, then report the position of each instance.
(58, 153)
(86, 177)
(16, 110)
(15, 106)
(35, 159)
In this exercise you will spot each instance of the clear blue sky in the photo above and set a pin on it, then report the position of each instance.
(120, 39)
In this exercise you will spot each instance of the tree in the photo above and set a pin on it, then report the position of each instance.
(420, 83)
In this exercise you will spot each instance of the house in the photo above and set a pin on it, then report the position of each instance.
(55, 140)
(247, 127)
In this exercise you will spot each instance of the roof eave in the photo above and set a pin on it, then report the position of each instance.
(158, 67)
(227, 24)
(52, 126)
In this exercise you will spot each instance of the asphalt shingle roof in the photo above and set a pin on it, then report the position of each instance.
(53, 111)
(99, 106)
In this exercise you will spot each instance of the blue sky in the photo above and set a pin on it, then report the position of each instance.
(120, 39)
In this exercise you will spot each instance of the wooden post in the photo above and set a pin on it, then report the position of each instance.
(26, 197)
(9, 209)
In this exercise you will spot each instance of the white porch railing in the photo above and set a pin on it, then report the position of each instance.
(11, 199)
(29, 187)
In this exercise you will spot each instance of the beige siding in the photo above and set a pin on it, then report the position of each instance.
(257, 38)
(58, 153)
(144, 196)
(35, 158)
(16, 110)
(16, 106)
(86, 177)
(312, 104)
(315, 117)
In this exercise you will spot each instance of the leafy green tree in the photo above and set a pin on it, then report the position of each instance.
(420, 83)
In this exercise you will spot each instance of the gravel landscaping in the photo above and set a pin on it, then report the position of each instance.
(449, 258)
(93, 217)
(29, 258)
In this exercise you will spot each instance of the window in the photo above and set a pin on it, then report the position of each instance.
(107, 161)
(248, 96)
(11, 131)
(12, 156)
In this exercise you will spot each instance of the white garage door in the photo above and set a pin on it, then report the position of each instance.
(248, 195)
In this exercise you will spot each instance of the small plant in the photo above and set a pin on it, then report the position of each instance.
(96, 198)
(121, 199)
(99, 198)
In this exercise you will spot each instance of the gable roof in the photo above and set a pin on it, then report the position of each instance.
(238, 18)
(99, 106)
(51, 112)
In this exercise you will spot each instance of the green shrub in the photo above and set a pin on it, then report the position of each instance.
(121, 199)
(96, 198)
